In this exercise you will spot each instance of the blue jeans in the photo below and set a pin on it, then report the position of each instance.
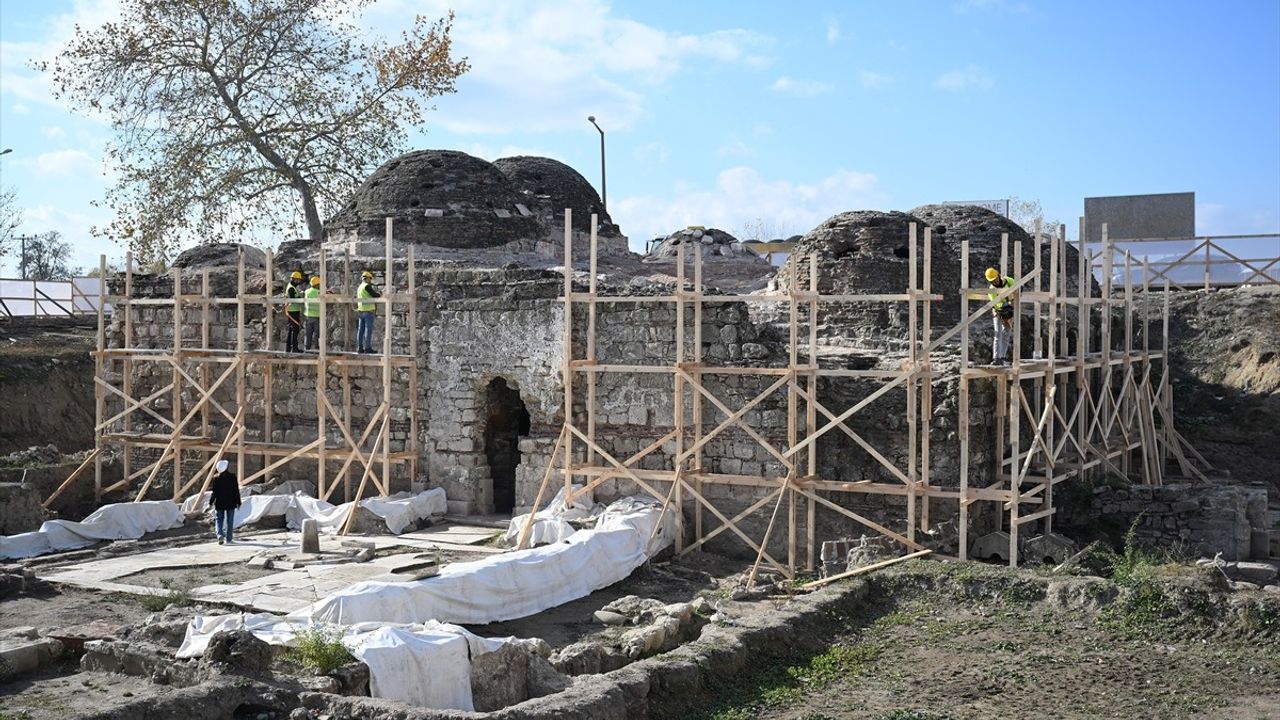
(364, 330)
(226, 522)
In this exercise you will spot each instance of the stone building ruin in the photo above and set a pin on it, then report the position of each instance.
(479, 355)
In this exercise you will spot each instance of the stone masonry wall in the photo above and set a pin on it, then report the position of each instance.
(1200, 520)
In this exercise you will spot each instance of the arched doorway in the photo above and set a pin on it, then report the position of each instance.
(506, 420)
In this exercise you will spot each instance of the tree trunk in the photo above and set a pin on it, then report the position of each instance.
(315, 229)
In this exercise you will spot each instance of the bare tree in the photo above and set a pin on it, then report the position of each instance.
(46, 257)
(235, 116)
(1027, 212)
(10, 219)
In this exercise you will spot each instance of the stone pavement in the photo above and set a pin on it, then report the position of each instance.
(280, 592)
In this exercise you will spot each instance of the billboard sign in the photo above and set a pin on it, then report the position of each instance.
(999, 207)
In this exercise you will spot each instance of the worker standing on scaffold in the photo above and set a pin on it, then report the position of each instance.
(293, 313)
(1001, 315)
(312, 311)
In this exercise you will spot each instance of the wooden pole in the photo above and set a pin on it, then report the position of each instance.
(91, 457)
(99, 398)
(322, 379)
(864, 570)
(963, 521)
(523, 540)
(122, 306)
(566, 369)
(388, 323)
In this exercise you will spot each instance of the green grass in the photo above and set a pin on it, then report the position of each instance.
(319, 650)
(772, 685)
(1142, 603)
(175, 593)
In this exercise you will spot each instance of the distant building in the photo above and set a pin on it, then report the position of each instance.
(1164, 215)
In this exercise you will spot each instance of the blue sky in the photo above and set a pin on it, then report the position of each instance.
(781, 114)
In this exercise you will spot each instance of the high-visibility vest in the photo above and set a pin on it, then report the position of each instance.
(291, 291)
(313, 302)
(363, 293)
(1008, 283)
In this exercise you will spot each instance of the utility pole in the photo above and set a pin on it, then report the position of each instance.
(604, 189)
(22, 257)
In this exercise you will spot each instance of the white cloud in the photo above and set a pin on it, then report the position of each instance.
(1219, 219)
(539, 67)
(734, 146)
(653, 152)
(742, 195)
(874, 80)
(833, 32)
(799, 88)
(24, 83)
(965, 78)
(66, 163)
(53, 132)
(493, 152)
(75, 228)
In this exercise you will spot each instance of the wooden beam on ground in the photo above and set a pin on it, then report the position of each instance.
(864, 570)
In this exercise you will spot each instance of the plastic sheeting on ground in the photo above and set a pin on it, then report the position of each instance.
(426, 664)
(551, 525)
(401, 630)
(514, 584)
(398, 511)
(117, 521)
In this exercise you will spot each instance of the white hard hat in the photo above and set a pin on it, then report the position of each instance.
(222, 466)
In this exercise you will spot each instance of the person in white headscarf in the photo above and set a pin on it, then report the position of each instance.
(226, 500)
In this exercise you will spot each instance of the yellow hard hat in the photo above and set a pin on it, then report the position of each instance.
(315, 281)
(296, 275)
(992, 274)
(366, 274)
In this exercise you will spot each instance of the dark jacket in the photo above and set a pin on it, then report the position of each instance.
(226, 491)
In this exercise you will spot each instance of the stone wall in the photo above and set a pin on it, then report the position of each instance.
(1199, 520)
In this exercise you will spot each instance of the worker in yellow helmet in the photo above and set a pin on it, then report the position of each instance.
(312, 311)
(293, 312)
(1001, 315)
(365, 311)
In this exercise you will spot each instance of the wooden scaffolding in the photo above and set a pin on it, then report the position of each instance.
(1060, 413)
(210, 413)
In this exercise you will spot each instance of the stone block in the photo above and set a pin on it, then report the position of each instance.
(310, 536)
(991, 546)
(1259, 573)
(21, 656)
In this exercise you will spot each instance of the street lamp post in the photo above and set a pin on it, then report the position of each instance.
(604, 189)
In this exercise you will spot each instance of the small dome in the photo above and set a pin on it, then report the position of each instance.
(437, 197)
(211, 255)
(549, 186)
(716, 245)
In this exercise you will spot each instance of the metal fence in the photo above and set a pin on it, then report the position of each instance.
(1188, 263)
(50, 298)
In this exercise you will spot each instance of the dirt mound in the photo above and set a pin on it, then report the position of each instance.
(1225, 350)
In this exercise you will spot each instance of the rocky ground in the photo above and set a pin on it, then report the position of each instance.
(963, 641)
(922, 640)
(1226, 359)
(46, 382)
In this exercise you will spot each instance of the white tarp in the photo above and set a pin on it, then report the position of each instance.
(426, 664)
(117, 521)
(413, 653)
(513, 584)
(551, 525)
(252, 507)
(398, 511)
